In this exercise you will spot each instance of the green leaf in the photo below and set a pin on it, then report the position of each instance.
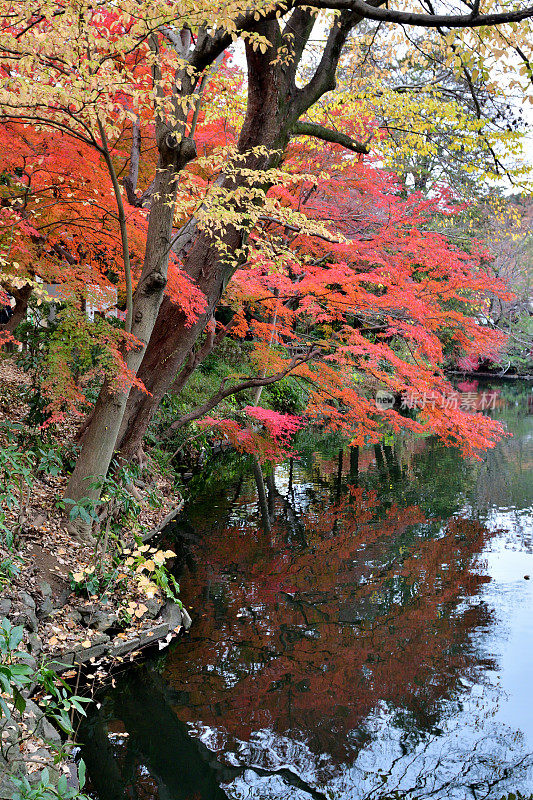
(20, 702)
(21, 670)
(84, 514)
(81, 773)
(5, 709)
(78, 707)
(15, 637)
(63, 721)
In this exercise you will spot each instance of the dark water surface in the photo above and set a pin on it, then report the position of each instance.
(367, 636)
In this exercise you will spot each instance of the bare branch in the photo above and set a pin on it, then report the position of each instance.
(251, 383)
(473, 20)
(328, 135)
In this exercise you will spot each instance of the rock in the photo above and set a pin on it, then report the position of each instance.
(171, 614)
(98, 618)
(100, 638)
(38, 520)
(153, 634)
(103, 621)
(46, 608)
(72, 777)
(10, 732)
(14, 763)
(5, 606)
(123, 647)
(49, 733)
(64, 661)
(97, 650)
(26, 616)
(35, 644)
(7, 788)
(186, 620)
(74, 616)
(43, 756)
(49, 604)
(63, 598)
(154, 606)
(31, 618)
(38, 723)
(28, 600)
(10, 763)
(46, 589)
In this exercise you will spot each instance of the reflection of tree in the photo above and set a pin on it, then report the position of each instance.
(139, 763)
(337, 646)
(306, 634)
(506, 475)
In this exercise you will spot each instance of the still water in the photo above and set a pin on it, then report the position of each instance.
(364, 633)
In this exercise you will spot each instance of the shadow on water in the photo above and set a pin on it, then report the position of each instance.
(362, 629)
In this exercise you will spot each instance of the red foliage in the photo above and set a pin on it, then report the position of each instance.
(381, 299)
(387, 302)
(271, 443)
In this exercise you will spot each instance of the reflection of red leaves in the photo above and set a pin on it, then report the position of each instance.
(396, 631)
(468, 386)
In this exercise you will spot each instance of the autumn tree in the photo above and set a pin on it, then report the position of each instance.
(174, 349)
(146, 62)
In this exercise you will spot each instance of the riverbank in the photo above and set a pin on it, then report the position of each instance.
(32, 746)
(69, 606)
(488, 376)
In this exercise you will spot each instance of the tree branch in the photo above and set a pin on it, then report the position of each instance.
(122, 225)
(473, 20)
(328, 135)
(130, 181)
(222, 393)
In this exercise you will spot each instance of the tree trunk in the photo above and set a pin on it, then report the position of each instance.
(101, 434)
(173, 337)
(22, 298)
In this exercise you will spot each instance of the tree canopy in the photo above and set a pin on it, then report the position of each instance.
(302, 209)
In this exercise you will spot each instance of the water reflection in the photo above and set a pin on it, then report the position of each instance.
(363, 631)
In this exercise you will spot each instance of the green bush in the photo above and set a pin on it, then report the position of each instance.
(46, 790)
(17, 672)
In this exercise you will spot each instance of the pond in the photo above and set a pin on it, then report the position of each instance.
(365, 632)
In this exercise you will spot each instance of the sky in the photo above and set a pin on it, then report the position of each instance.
(525, 108)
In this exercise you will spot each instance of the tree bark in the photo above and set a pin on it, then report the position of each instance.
(22, 298)
(101, 434)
